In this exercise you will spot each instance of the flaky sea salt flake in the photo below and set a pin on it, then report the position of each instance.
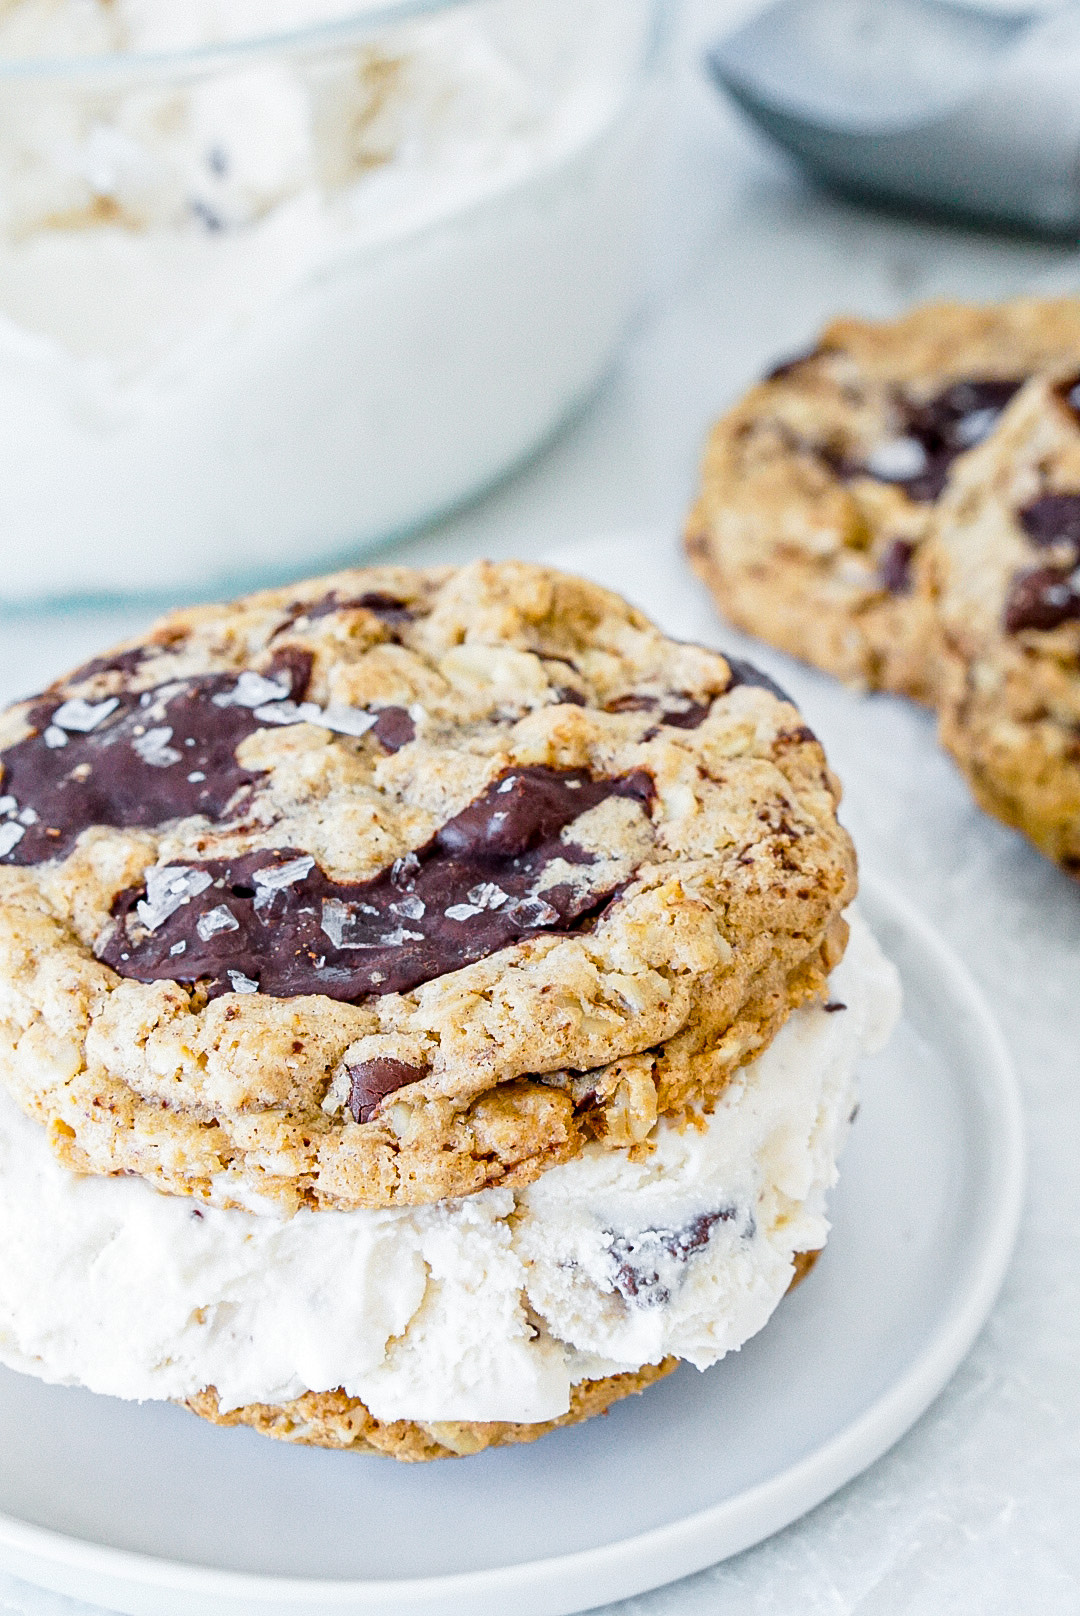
(216, 920)
(11, 835)
(168, 887)
(153, 748)
(80, 717)
(487, 896)
(290, 712)
(252, 690)
(346, 720)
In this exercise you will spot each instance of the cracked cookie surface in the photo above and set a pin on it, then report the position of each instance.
(389, 886)
(821, 488)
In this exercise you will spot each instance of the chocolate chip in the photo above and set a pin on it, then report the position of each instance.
(388, 607)
(1053, 519)
(833, 1006)
(1041, 598)
(394, 729)
(531, 805)
(475, 887)
(692, 716)
(632, 704)
(744, 673)
(637, 1257)
(676, 711)
(957, 419)
(894, 568)
(123, 662)
(292, 665)
(372, 1080)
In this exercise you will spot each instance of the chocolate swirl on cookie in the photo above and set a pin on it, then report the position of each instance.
(143, 759)
(274, 922)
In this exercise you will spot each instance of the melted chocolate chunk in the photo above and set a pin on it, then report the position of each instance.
(692, 716)
(744, 673)
(394, 729)
(130, 760)
(894, 568)
(1053, 519)
(372, 1080)
(392, 610)
(142, 759)
(385, 606)
(637, 1257)
(675, 711)
(125, 662)
(1042, 598)
(292, 666)
(937, 431)
(275, 920)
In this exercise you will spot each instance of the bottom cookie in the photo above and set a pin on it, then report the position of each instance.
(336, 1420)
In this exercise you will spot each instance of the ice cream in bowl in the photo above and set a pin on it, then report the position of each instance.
(278, 280)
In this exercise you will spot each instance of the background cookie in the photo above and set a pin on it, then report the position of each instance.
(335, 1420)
(390, 886)
(1003, 578)
(820, 487)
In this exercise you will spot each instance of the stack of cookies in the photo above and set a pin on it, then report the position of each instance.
(424, 1010)
(901, 506)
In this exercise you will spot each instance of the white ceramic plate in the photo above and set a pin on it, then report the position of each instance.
(152, 1512)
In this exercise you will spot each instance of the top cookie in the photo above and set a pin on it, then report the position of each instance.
(819, 489)
(393, 885)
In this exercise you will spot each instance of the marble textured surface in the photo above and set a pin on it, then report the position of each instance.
(974, 1513)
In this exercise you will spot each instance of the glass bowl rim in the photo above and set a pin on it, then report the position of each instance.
(349, 28)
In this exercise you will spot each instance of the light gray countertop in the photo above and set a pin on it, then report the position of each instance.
(975, 1512)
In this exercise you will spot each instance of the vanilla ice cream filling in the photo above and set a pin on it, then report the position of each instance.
(487, 1308)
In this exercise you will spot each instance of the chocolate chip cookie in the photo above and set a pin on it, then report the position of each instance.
(820, 488)
(1003, 576)
(392, 886)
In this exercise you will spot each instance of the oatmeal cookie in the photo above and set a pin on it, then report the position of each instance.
(1003, 576)
(335, 1420)
(393, 885)
(820, 488)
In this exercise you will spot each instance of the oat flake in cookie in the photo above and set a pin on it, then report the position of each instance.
(820, 488)
(464, 959)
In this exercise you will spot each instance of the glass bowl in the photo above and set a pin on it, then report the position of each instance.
(265, 301)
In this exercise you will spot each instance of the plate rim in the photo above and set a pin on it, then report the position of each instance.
(562, 1584)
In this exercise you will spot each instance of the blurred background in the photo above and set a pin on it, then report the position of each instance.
(281, 284)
